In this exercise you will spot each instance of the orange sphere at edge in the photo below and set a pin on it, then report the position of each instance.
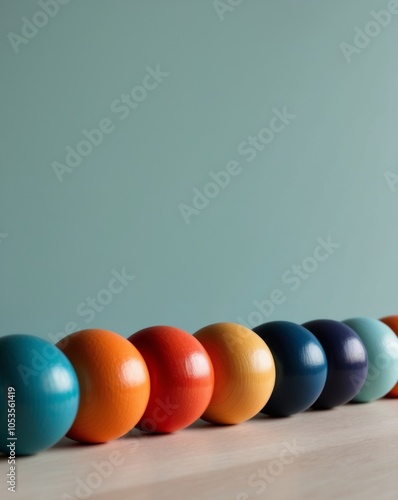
(392, 322)
(114, 384)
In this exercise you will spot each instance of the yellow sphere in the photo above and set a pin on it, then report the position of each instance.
(244, 372)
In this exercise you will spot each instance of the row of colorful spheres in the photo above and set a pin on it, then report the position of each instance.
(96, 385)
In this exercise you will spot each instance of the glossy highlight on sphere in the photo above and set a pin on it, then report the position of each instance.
(114, 384)
(392, 322)
(347, 361)
(46, 393)
(182, 378)
(301, 367)
(381, 345)
(244, 372)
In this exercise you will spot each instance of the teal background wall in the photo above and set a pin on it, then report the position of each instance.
(330, 173)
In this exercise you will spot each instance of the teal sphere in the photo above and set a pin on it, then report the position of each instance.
(39, 394)
(381, 344)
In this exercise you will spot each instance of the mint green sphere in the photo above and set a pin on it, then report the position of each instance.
(381, 344)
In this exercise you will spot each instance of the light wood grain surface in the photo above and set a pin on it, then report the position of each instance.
(346, 453)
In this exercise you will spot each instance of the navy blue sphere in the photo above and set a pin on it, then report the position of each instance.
(347, 361)
(39, 394)
(301, 367)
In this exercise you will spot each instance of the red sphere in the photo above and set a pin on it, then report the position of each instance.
(181, 375)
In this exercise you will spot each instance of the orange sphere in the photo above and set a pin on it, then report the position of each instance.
(392, 322)
(244, 372)
(182, 378)
(114, 384)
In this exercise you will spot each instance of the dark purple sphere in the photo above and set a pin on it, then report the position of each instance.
(347, 361)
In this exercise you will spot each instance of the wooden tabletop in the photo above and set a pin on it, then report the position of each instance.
(350, 452)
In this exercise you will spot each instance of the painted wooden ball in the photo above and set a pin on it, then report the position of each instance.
(114, 384)
(182, 378)
(39, 394)
(347, 361)
(301, 367)
(244, 372)
(381, 344)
